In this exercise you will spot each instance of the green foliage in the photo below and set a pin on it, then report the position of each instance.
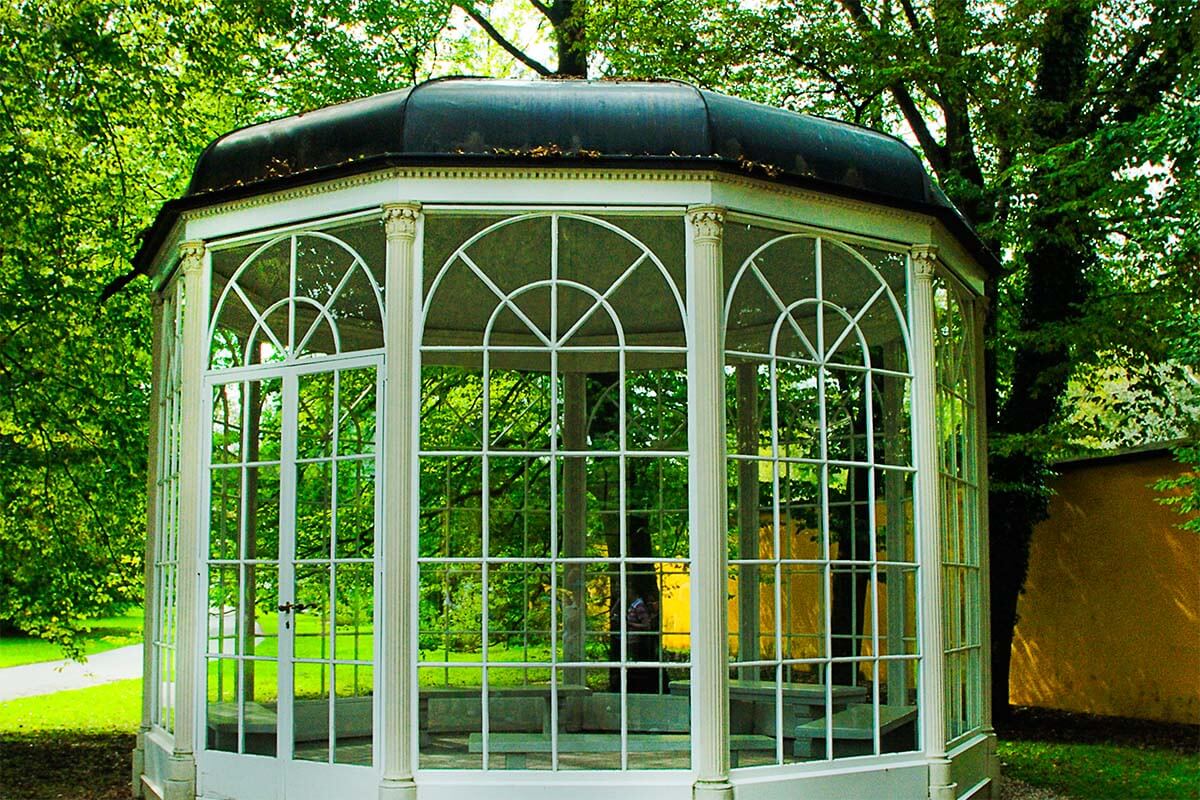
(105, 106)
(1183, 492)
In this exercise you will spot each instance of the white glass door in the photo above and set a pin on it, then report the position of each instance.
(289, 707)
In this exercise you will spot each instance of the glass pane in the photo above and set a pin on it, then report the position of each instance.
(355, 611)
(518, 613)
(227, 423)
(264, 407)
(224, 609)
(311, 711)
(451, 506)
(596, 715)
(260, 693)
(355, 509)
(314, 510)
(312, 616)
(262, 601)
(221, 717)
(356, 411)
(353, 712)
(518, 410)
(802, 620)
(656, 410)
(898, 705)
(450, 718)
(451, 407)
(314, 415)
(451, 616)
(224, 524)
(261, 534)
(519, 514)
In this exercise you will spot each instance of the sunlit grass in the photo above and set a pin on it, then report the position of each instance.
(106, 633)
(112, 707)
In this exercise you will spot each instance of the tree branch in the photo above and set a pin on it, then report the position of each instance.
(1146, 87)
(546, 11)
(505, 44)
(910, 14)
(935, 152)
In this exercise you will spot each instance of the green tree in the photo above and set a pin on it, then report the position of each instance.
(1066, 131)
(104, 106)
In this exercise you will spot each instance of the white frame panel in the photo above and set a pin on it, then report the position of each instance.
(532, 188)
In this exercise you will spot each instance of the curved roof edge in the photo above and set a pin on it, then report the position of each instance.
(563, 123)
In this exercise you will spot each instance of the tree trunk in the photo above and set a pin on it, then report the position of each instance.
(570, 38)
(1055, 263)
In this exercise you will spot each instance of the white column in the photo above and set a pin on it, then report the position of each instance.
(150, 602)
(181, 768)
(980, 307)
(706, 494)
(933, 723)
(395, 566)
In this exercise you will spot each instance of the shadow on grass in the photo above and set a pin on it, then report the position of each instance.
(61, 765)
(1065, 727)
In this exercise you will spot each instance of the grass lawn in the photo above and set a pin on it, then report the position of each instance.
(106, 633)
(111, 707)
(1104, 772)
(1102, 758)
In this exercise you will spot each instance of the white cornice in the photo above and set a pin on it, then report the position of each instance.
(558, 173)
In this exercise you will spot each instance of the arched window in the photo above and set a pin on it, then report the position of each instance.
(553, 546)
(823, 567)
(297, 295)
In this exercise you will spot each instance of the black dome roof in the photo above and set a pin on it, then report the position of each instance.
(653, 124)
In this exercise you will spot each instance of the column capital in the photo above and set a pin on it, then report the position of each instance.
(924, 259)
(400, 220)
(191, 256)
(709, 222)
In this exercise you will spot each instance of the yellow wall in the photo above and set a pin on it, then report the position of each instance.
(801, 602)
(1110, 618)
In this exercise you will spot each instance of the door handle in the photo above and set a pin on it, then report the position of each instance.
(294, 606)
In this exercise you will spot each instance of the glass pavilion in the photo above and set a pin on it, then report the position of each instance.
(565, 436)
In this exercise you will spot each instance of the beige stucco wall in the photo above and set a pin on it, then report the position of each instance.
(1110, 618)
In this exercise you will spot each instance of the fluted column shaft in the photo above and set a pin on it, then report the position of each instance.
(706, 478)
(181, 777)
(394, 560)
(933, 722)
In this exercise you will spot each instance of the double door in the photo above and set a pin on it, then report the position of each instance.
(290, 580)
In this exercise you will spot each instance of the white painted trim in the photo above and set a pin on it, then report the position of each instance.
(868, 779)
(150, 602)
(537, 187)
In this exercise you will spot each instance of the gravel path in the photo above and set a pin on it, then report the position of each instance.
(1013, 789)
(57, 676)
